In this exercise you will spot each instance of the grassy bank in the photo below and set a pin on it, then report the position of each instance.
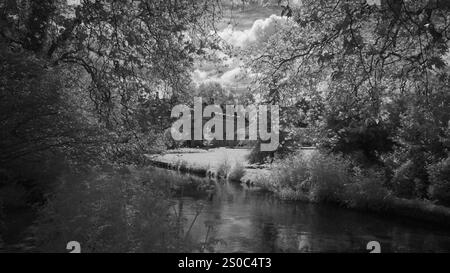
(117, 210)
(309, 176)
(329, 178)
(222, 163)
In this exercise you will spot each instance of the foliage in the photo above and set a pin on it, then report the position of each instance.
(291, 173)
(37, 111)
(257, 156)
(328, 178)
(237, 172)
(440, 181)
(117, 57)
(369, 79)
(405, 182)
(90, 83)
(223, 168)
(112, 211)
(367, 191)
(363, 63)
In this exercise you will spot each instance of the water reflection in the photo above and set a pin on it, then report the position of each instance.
(238, 219)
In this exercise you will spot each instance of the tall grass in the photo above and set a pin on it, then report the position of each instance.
(126, 211)
(324, 178)
(224, 167)
(328, 177)
(237, 172)
(331, 178)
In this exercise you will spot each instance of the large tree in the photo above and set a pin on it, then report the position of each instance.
(360, 58)
(110, 56)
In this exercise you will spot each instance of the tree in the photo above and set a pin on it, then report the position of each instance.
(358, 58)
(118, 53)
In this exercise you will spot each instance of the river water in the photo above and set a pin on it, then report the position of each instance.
(236, 218)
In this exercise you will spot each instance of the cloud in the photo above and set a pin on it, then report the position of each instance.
(261, 30)
(374, 2)
(200, 76)
(231, 76)
(229, 79)
(226, 70)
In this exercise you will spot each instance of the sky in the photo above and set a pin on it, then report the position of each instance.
(240, 28)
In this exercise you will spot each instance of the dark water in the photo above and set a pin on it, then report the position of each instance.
(240, 219)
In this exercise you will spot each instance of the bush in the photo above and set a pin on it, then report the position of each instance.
(329, 174)
(257, 156)
(367, 191)
(410, 180)
(110, 212)
(322, 178)
(182, 165)
(291, 172)
(237, 172)
(403, 180)
(326, 178)
(223, 168)
(440, 182)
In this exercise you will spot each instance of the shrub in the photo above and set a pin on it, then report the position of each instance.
(319, 178)
(182, 165)
(257, 156)
(366, 191)
(440, 182)
(223, 168)
(329, 174)
(403, 180)
(291, 172)
(110, 212)
(410, 180)
(237, 172)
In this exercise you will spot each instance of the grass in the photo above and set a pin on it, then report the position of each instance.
(126, 211)
(204, 159)
(219, 162)
(223, 168)
(237, 173)
(331, 179)
(185, 151)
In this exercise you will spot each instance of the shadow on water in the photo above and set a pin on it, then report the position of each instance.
(242, 219)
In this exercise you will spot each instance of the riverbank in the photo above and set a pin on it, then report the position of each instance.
(323, 181)
(215, 163)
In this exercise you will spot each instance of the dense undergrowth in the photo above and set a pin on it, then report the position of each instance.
(333, 179)
(125, 210)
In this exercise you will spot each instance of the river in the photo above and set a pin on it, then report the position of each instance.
(236, 218)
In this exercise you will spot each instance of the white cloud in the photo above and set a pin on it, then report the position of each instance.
(231, 78)
(261, 30)
(199, 76)
(74, 2)
(374, 2)
(227, 70)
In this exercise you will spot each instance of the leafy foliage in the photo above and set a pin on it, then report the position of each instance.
(440, 181)
(374, 77)
(113, 211)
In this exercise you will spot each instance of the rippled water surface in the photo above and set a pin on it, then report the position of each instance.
(239, 219)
